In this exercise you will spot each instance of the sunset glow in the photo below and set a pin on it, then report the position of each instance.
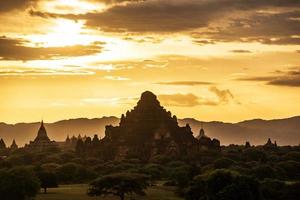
(92, 58)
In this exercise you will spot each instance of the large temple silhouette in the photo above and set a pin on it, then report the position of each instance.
(150, 130)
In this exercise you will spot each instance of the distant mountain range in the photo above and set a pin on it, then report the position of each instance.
(257, 131)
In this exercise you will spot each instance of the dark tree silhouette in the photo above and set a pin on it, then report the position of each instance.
(223, 185)
(119, 185)
(18, 184)
(47, 180)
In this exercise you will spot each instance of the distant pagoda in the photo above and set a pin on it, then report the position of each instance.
(42, 141)
(206, 142)
(14, 145)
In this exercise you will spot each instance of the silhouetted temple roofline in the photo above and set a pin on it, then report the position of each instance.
(42, 133)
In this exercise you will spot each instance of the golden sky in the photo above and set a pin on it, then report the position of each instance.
(226, 60)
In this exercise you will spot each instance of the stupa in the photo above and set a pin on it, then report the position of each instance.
(42, 141)
(147, 130)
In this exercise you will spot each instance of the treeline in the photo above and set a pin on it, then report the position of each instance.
(235, 172)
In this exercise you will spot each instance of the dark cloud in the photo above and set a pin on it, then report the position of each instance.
(15, 49)
(185, 83)
(143, 39)
(182, 100)
(202, 42)
(191, 100)
(289, 78)
(9, 5)
(172, 16)
(240, 51)
(266, 28)
(224, 96)
(288, 81)
(113, 1)
(242, 20)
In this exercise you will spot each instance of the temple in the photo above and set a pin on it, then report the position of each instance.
(42, 141)
(270, 145)
(206, 142)
(14, 145)
(149, 130)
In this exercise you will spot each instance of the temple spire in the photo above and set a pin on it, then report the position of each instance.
(202, 132)
(42, 133)
(14, 145)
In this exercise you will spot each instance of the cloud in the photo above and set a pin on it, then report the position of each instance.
(267, 28)
(9, 5)
(224, 96)
(131, 64)
(15, 49)
(27, 71)
(110, 101)
(143, 39)
(191, 100)
(290, 81)
(181, 100)
(184, 83)
(202, 42)
(211, 21)
(154, 64)
(116, 78)
(241, 51)
(113, 1)
(290, 78)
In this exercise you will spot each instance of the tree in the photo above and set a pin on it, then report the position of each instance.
(243, 187)
(272, 189)
(223, 163)
(223, 185)
(263, 171)
(18, 184)
(217, 181)
(74, 173)
(47, 180)
(196, 190)
(119, 184)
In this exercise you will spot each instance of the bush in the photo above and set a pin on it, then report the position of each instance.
(263, 171)
(223, 163)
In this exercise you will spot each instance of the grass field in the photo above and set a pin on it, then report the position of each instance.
(78, 192)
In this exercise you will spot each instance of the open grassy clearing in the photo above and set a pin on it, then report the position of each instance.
(78, 192)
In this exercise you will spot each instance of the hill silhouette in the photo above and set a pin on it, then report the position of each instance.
(257, 131)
